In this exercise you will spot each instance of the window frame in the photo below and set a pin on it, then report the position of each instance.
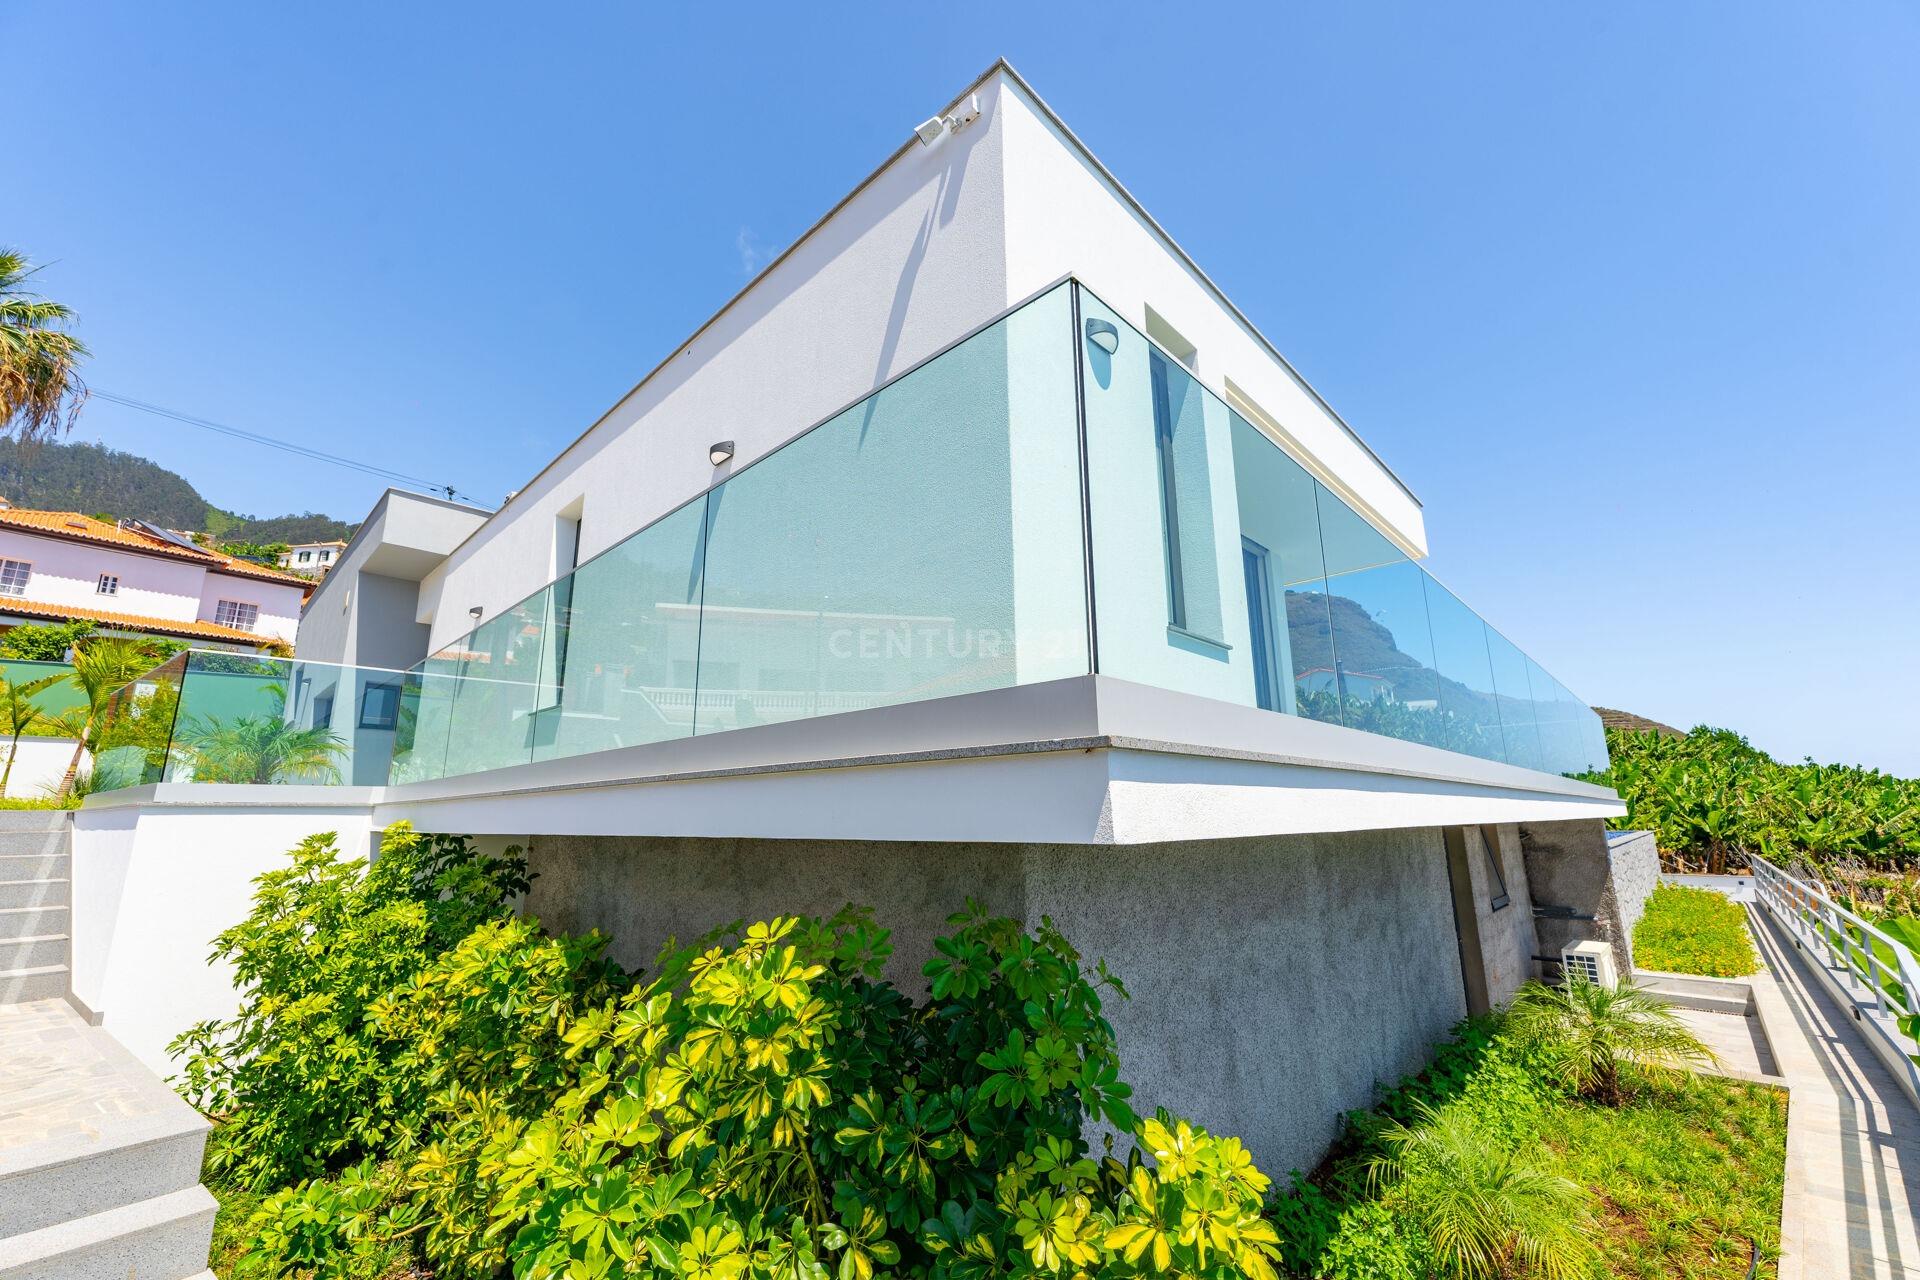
(26, 576)
(387, 718)
(101, 585)
(253, 622)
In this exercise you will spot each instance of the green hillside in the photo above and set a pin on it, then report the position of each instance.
(102, 481)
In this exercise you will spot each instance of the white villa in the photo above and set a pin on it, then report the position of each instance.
(138, 579)
(979, 547)
(311, 559)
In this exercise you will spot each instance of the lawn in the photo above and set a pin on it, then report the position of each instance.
(1696, 931)
(1683, 1180)
(1687, 1176)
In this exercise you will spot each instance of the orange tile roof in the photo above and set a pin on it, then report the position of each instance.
(84, 528)
(134, 622)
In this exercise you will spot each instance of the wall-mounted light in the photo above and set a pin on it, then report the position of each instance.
(474, 613)
(720, 452)
(1103, 335)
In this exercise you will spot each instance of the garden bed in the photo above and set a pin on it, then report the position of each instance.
(1694, 931)
(1685, 1178)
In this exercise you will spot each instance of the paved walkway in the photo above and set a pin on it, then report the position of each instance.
(60, 1078)
(1853, 1135)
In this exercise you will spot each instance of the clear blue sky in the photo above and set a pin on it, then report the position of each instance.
(1629, 294)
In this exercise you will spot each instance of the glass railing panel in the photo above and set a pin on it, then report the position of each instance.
(1513, 692)
(625, 649)
(249, 719)
(924, 543)
(1168, 564)
(131, 741)
(497, 689)
(1465, 669)
(1290, 629)
(1383, 653)
(424, 734)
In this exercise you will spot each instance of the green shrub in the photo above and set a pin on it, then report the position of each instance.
(1698, 931)
(297, 1079)
(764, 1103)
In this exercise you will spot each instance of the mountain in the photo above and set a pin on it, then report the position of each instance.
(100, 481)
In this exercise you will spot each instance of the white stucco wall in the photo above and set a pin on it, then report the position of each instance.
(151, 890)
(905, 266)
(68, 573)
(39, 766)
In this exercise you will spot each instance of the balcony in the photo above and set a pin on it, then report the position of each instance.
(1054, 496)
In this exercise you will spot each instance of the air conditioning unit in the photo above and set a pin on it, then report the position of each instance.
(1590, 960)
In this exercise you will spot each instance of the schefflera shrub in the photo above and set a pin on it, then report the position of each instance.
(773, 1108)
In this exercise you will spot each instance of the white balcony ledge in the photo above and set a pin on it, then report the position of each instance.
(1088, 760)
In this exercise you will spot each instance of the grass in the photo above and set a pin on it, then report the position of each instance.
(38, 802)
(237, 1204)
(1682, 1180)
(1686, 1176)
(1697, 931)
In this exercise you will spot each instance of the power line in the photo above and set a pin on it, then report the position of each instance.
(254, 437)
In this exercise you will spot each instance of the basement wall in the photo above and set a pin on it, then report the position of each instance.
(1274, 980)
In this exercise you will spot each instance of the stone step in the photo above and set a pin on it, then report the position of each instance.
(34, 893)
(162, 1238)
(52, 840)
(34, 866)
(35, 952)
(12, 820)
(41, 982)
(28, 922)
(86, 1128)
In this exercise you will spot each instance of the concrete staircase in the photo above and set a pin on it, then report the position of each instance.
(35, 897)
(99, 1161)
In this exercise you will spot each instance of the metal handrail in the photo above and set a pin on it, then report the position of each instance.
(1870, 958)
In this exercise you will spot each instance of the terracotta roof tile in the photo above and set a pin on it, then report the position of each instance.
(133, 621)
(84, 528)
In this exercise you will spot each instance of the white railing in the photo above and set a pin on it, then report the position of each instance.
(1875, 972)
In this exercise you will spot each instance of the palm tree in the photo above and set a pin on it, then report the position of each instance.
(101, 668)
(1588, 1032)
(19, 713)
(262, 748)
(1479, 1203)
(40, 387)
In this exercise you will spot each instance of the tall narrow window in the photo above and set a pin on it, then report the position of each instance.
(1497, 896)
(1260, 626)
(566, 558)
(1169, 491)
(14, 576)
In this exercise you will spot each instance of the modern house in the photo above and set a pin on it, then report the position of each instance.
(311, 559)
(138, 579)
(980, 547)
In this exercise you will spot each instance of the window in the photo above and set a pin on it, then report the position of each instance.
(109, 585)
(14, 576)
(1186, 502)
(1497, 896)
(236, 614)
(380, 706)
(1261, 626)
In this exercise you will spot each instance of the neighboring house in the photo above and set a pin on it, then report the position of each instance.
(980, 547)
(311, 559)
(135, 578)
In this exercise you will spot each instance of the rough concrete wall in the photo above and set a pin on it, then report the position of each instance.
(1274, 981)
(1635, 863)
(643, 890)
(1507, 941)
(1570, 872)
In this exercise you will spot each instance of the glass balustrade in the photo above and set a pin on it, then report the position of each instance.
(939, 537)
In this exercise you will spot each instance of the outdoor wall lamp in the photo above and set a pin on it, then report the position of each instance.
(474, 613)
(1103, 335)
(720, 452)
